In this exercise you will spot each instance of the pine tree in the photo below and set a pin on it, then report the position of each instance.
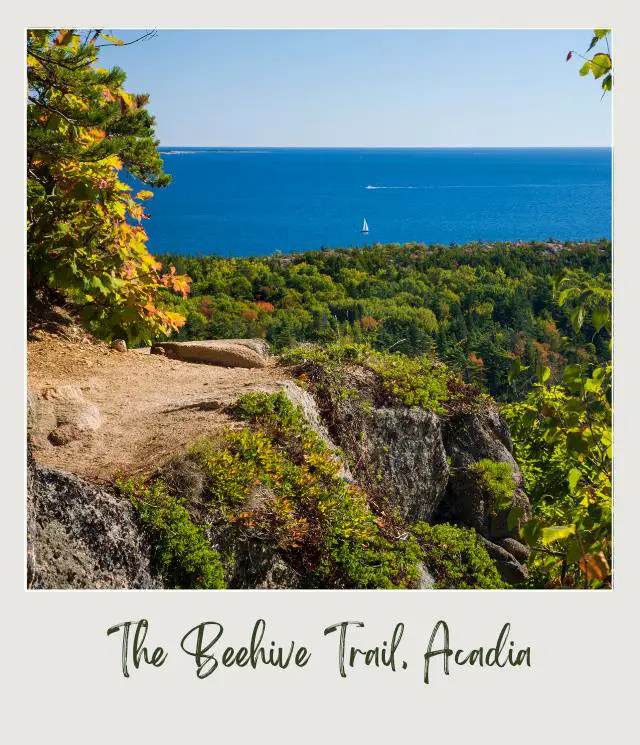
(85, 241)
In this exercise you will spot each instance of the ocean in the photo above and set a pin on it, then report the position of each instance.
(255, 201)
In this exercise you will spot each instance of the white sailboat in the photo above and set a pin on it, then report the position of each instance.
(365, 227)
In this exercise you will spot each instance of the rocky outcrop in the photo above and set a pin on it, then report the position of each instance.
(396, 454)
(414, 464)
(248, 353)
(80, 535)
(469, 439)
(407, 458)
(419, 461)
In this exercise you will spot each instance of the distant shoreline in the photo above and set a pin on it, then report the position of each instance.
(551, 246)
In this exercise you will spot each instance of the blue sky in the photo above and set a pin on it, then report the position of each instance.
(367, 88)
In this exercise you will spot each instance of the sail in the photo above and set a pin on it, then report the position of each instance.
(365, 227)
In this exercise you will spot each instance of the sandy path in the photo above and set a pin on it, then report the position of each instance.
(151, 407)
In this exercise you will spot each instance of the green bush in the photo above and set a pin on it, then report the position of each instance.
(182, 553)
(321, 523)
(496, 480)
(412, 381)
(326, 355)
(275, 409)
(455, 557)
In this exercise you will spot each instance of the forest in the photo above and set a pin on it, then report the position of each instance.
(478, 307)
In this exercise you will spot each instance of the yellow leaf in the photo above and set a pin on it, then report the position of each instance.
(112, 39)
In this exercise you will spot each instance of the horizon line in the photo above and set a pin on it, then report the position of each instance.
(401, 147)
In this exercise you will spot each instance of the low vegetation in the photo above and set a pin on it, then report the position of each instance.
(275, 481)
(421, 381)
(496, 480)
(455, 558)
(181, 551)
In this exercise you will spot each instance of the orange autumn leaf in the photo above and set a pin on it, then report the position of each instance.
(63, 37)
(595, 566)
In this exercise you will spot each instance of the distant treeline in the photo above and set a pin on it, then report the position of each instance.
(476, 306)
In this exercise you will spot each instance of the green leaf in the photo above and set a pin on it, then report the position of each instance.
(585, 69)
(516, 369)
(95, 283)
(531, 531)
(572, 373)
(544, 373)
(600, 65)
(576, 443)
(594, 41)
(577, 318)
(515, 514)
(566, 294)
(573, 478)
(556, 533)
(599, 317)
(592, 385)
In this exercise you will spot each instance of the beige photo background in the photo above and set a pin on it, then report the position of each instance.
(62, 679)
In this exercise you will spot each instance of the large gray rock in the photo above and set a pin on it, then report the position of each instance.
(405, 455)
(82, 536)
(396, 454)
(248, 353)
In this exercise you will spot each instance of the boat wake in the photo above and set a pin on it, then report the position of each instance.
(398, 187)
(211, 150)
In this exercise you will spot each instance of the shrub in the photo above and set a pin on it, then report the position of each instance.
(455, 557)
(412, 381)
(322, 523)
(182, 553)
(275, 409)
(496, 479)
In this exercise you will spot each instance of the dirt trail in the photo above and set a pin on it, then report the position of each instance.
(151, 407)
